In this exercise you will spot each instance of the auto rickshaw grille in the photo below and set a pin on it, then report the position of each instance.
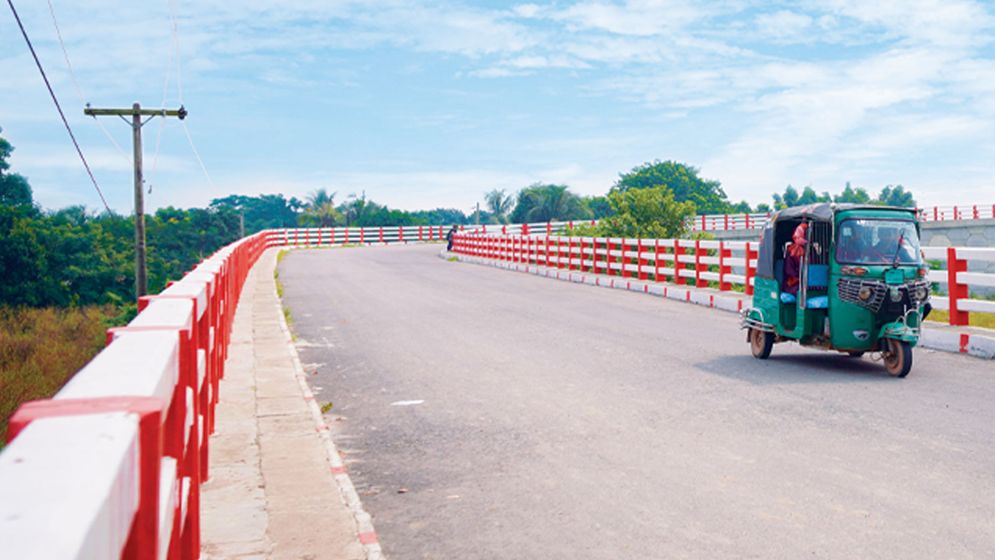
(849, 291)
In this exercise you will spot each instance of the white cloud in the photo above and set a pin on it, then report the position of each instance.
(526, 10)
(634, 17)
(785, 26)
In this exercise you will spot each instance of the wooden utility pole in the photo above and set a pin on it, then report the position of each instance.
(136, 113)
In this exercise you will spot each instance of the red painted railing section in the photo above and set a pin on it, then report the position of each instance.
(722, 265)
(174, 350)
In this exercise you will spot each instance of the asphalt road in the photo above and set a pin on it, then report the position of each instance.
(567, 421)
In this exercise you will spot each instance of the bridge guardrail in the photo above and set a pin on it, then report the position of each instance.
(745, 221)
(148, 399)
(340, 235)
(112, 465)
(707, 263)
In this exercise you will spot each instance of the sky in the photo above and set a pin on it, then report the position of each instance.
(431, 104)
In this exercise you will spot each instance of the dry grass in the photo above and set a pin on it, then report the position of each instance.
(40, 349)
(985, 320)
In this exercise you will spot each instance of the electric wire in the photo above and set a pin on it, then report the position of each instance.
(162, 123)
(58, 107)
(79, 91)
(179, 89)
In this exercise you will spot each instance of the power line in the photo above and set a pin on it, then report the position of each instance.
(179, 88)
(57, 106)
(79, 91)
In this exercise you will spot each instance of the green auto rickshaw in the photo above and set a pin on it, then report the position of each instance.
(842, 277)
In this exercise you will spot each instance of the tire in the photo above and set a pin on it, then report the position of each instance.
(856, 354)
(897, 357)
(761, 343)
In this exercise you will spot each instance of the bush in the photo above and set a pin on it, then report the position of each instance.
(40, 349)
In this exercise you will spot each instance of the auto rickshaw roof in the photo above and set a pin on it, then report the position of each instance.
(824, 211)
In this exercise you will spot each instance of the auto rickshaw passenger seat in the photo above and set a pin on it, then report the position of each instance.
(818, 276)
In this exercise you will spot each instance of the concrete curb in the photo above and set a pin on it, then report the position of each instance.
(364, 522)
(979, 346)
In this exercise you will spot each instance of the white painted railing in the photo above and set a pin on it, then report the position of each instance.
(959, 281)
(732, 222)
(719, 264)
(111, 466)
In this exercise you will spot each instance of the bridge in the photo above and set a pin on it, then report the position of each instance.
(432, 407)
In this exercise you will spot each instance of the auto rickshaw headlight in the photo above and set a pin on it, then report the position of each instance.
(895, 294)
(864, 294)
(921, 293)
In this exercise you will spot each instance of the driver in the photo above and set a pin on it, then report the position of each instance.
(887, 248)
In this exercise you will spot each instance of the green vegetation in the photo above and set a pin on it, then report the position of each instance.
(891, 195)
(41, 348)
(682, 180)
(325, 407)
(540, 202)
(651, 212)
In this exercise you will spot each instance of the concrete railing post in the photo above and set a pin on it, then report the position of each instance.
(956, 290)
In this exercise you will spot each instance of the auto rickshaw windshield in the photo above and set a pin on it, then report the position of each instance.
(875, 241)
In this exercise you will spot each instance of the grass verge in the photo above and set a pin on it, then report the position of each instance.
(279, 293)
(984, 320)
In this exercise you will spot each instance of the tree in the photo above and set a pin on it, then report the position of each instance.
(788, 199)
(499, 204)
(540, 202)
(850, 194)
(598, 206)
(682, 180)
(320, 210)
(896, 195)
(651, 212)
(439, 216)
(261, 212)
(742, 207)
(14, 188)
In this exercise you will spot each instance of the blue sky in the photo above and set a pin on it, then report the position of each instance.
(428, 104)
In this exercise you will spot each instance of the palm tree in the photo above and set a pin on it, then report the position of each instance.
(499, 204)
(320, 210)
(547, 203)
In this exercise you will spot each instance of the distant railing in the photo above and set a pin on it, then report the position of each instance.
(706, 263)
(733, 222)
(341, 235)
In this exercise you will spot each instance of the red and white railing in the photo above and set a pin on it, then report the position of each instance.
(304, 237)
(700, 263)
(111, 466)
(959, 281)
(733, 222)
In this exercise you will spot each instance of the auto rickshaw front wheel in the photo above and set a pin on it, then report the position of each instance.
(897, 357)
(761, 343)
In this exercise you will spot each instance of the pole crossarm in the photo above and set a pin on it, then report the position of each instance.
(136, 113)
(181, 113)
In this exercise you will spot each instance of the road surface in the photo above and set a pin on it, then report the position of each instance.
(492, 414)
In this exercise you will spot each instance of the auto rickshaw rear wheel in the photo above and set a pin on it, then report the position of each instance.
(761, 343)
(897, 357)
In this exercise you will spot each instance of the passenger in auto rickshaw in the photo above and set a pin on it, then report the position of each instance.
(792, 260)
